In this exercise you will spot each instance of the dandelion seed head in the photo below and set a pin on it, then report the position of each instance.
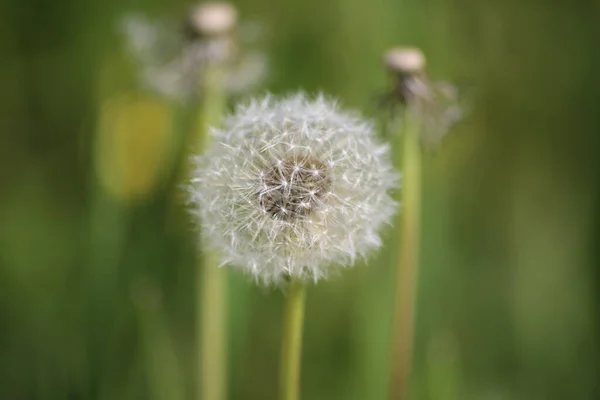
(172, 64)
(293, 188)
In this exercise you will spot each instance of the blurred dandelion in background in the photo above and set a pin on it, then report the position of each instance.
(171, 57)
(424, 112)
(438, 103)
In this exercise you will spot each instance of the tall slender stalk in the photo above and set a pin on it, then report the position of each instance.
(164, 371)
(211, 280)
(291, 345)
(407, 258)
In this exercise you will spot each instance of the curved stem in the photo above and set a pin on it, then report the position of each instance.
(291, 345)
(407, 258)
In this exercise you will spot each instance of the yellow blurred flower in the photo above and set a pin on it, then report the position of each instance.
(134, 145)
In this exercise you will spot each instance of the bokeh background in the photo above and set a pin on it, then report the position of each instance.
(97, 252)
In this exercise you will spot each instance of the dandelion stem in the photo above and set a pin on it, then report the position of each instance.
(407, 258)
(213, 352)
(291, 345)
(211, 291)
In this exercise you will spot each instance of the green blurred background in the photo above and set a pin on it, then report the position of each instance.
(97, 281)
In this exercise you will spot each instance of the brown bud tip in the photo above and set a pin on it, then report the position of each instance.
(405, 59)
(212, 19)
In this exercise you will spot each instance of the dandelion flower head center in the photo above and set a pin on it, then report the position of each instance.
(293, 188)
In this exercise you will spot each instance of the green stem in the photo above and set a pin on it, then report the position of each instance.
(165, 375)
(407, 258)
(291, 345)
(213, 332)
(211, 286)
(212, 105)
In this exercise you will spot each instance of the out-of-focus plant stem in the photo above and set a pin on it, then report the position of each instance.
(165, 375)
(211, 289)
(291, 345)
(407, 257)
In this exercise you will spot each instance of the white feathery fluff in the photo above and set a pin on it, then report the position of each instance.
(292, 188)
(171, 66)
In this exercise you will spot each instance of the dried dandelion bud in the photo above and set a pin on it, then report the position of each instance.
(405, 60)
(212, 19)
(436, 103)
(293, 187)
(407, 65)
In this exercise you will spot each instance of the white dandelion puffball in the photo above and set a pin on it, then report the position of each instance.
(292, 188)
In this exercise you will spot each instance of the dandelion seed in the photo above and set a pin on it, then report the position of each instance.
(301, 186)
